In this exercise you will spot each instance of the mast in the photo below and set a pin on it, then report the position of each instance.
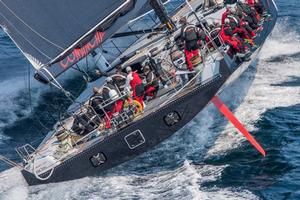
(162, 14)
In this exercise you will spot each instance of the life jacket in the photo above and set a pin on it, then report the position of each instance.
(136, 80)
(224, 16)
(251, 3)
(137, 85)
(225, 33)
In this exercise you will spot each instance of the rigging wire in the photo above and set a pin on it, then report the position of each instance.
(27, 40)
(29, 87)
(37, 119)
(34, 31)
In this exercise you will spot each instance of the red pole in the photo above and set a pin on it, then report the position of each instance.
(228, 114)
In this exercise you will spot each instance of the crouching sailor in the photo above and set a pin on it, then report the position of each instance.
(238, 46)
(134, 82)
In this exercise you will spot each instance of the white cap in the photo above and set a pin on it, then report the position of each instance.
(216, 22)
(108, 79)
(227, 21)
(232, 9)
(128, 69)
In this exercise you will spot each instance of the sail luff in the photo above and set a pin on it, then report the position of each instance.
(34, 62)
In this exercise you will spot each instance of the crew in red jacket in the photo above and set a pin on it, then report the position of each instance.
(238, 25)
(191, 36)
(134, 81)
(226, 34)
(110, 94)
(256, 6)
(251, 3)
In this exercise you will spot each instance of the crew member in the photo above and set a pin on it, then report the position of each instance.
(119, 78)
(251, 3)
(250, 14)
(238, 25)
(191, 36)
(152, 86)
(258, 6)
(96, 100)
(110, 94)
(134, 82)
(237, 45)
(119, 71)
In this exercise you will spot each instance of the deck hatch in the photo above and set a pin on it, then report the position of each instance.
(134, 139)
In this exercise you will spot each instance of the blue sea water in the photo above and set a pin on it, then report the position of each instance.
(208, 159)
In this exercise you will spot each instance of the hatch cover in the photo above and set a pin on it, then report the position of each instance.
(134, 139)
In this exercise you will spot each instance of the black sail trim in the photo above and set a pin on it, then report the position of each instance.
(100, 27)
(97, 35)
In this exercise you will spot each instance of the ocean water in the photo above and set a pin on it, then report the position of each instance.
(208, 159)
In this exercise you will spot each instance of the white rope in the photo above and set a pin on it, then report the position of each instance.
(37, 33)
(275, 5)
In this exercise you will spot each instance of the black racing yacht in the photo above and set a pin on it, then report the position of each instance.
(55, 37)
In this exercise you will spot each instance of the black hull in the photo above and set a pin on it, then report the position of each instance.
(153, 127)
